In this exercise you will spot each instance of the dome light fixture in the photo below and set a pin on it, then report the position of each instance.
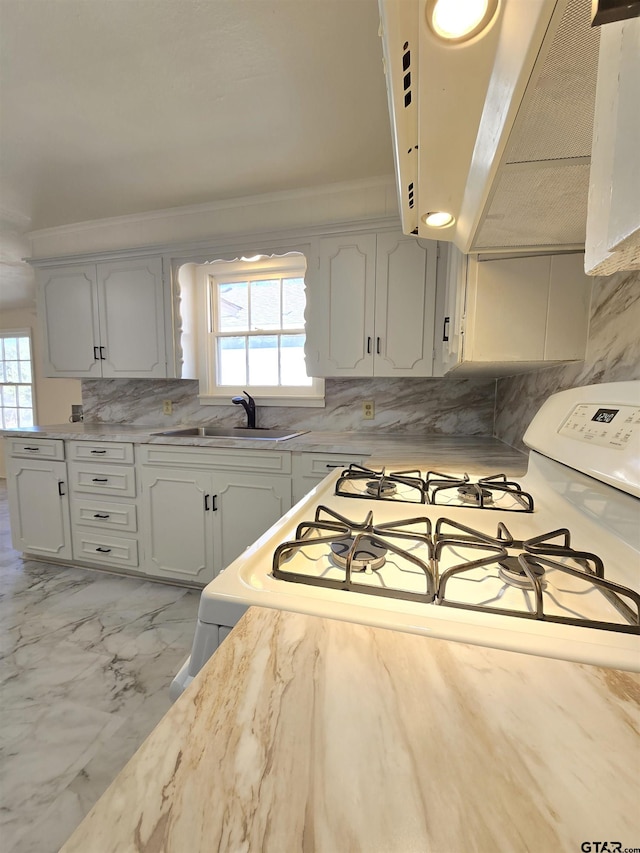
(456, 21)
(438, 219)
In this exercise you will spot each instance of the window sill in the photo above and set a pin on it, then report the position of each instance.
(288, 402)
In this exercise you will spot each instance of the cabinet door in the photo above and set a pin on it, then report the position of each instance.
(245, 506)
(507, 309)
(449, 333)
(39, 507)
(132, 319)
(68, 310)
(177, 524)
(405, 306)
(341, 310)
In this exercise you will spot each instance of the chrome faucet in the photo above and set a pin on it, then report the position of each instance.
(249, 406)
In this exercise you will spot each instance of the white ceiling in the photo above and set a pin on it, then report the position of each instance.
(114, 107)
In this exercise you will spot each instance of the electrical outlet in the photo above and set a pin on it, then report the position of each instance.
(167, 407)
(368, 410)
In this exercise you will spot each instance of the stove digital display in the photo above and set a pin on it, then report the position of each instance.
(605, 416)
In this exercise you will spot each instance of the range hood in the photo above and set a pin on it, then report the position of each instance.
(498, 130)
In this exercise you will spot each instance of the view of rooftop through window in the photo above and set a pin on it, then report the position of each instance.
(259, 327)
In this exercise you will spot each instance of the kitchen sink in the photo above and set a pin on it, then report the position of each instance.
(233, 432)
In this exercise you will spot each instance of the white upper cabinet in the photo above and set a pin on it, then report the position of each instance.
(104, 320)
(511, 315)
(68, 311)
(370, 310)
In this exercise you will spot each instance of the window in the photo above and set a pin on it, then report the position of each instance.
(256, 331)
(17, 408)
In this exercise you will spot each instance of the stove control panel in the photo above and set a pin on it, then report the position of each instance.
(608, 426)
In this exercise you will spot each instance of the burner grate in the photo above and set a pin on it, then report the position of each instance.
(403, 486)
(495, 492)
(453, 565)
(527, 570)
(355, 546)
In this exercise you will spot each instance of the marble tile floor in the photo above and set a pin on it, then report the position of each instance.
(86, 659)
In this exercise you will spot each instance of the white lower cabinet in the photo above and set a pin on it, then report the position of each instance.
(39, 506)
(104, 517)
(196, 522)
(177, 523)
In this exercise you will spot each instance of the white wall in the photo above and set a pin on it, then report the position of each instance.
(53, 396)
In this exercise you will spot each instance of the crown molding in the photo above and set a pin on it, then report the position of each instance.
(133, 219)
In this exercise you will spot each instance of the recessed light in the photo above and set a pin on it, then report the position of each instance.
(438, 219)
(457, 21)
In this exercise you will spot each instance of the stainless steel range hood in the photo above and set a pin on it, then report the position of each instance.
(497, 131)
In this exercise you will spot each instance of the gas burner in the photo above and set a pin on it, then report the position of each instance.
(382, 488)
(365, 553)
(402, 486)
(512, 572)
(393, 559)
(474, 494)
(539, 578)
(494, 492)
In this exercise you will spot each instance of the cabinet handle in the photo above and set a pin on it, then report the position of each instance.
(206, 503)
(368, 346)
(98, 451)
(445, 329)
(60, 485)
(101, 515)
(95, 353)
(104, 550)
(102, 355)
(34, 449)
(329, 465)
(378, 346)
(214, 505)
(100, 480)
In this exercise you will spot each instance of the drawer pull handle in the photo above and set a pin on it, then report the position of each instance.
(100, 480)
(60, 485)
(101, 515)
(34, 449)
(104, 550)
(98, 451)
(330, 465)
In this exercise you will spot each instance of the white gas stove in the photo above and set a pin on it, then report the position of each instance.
(547, 565)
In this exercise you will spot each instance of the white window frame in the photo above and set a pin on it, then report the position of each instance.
(23, 333)
(208, 276)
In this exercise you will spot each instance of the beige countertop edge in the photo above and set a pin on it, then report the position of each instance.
(311, 734)
(401, 449)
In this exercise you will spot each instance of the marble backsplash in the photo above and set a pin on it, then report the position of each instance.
(440, 406)
(613, 355)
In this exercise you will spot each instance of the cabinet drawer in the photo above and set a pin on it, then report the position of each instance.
(320, 464)
(101, 451)
(38, 448)
(97, 547)
(103, 514)
(102, 479)
(223, 459)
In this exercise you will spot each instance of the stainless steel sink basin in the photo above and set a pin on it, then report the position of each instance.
(233, 432)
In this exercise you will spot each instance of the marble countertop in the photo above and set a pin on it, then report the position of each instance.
(479, 454)
(312, 734)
